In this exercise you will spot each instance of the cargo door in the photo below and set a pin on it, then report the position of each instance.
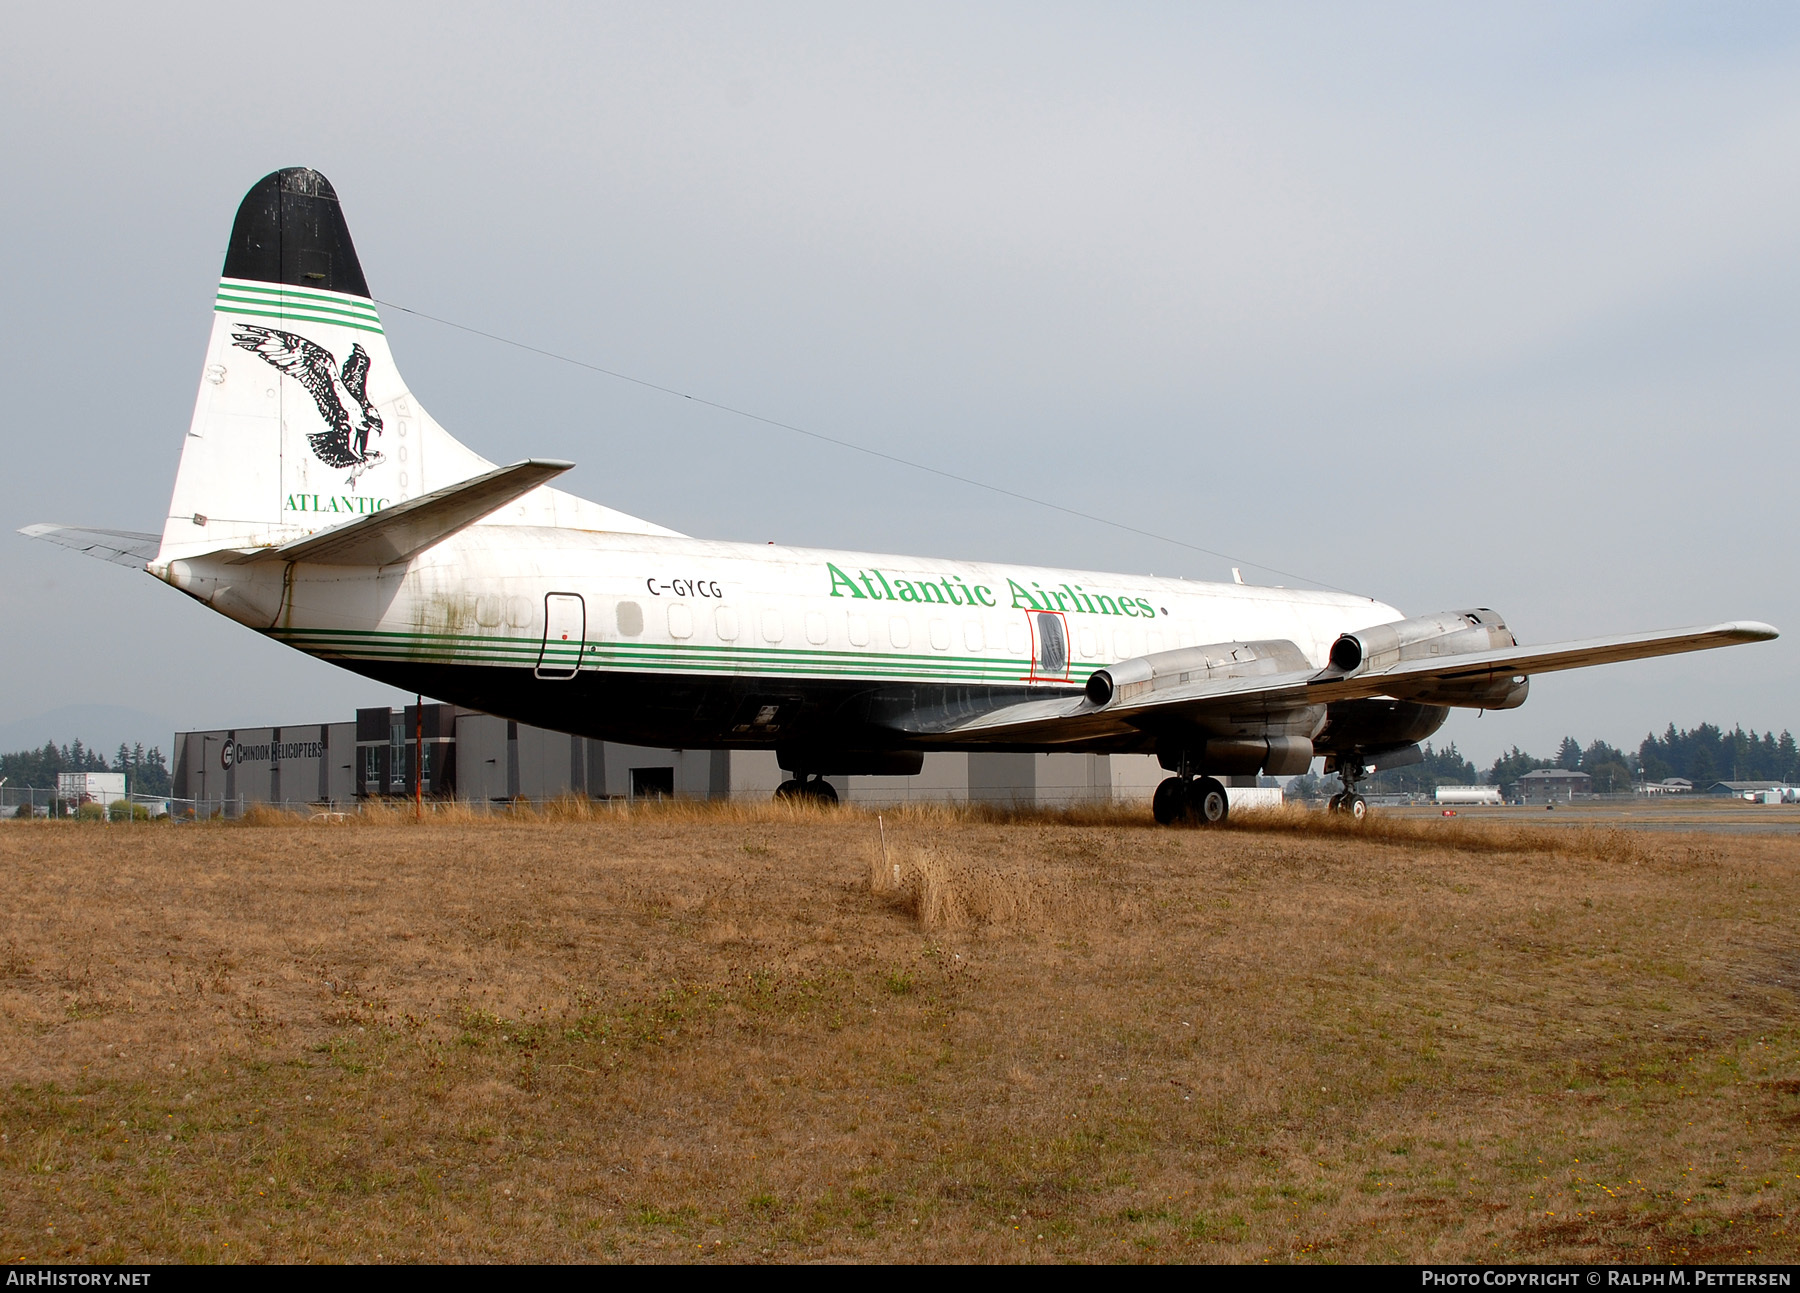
(565, 636)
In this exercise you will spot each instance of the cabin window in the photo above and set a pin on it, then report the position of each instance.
(940, 635)
(1153, 642)
(631, 619)
(1090, 646)
(681, 620)
(771, 626)
(1015, 639)
(815, 627)
(858, 625)
(899, 632)
(520, 612)
(1122, 644)
(489, 611)
(973, 635)
(725, 618)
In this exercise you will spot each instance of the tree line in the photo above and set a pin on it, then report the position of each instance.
(146, 771)
(1704, 755)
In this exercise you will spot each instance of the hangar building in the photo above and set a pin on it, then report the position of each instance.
(486, 760)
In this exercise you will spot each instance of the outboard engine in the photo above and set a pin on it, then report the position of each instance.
(1429, 637)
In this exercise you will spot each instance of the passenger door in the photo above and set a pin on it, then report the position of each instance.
(565, 636)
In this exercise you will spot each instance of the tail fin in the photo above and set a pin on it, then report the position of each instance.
(302, 421)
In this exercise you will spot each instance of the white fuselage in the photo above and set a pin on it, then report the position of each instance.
(504, 596)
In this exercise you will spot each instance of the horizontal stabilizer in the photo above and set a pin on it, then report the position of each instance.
(121, 547)
(400, 532)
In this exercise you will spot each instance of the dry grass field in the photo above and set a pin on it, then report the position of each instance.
(696, 1033)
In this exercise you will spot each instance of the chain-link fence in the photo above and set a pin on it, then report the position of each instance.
(26, 803)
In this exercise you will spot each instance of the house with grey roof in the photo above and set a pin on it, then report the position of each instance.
(1553, 786)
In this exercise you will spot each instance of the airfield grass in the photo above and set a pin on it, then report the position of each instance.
(698, 1033)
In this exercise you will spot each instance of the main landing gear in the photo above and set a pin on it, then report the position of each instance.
(1349, 802)
(814, 790)
(1190, 799)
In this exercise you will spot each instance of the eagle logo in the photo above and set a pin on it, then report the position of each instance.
(348, 421)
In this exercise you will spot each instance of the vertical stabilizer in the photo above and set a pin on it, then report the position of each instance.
(302, 420)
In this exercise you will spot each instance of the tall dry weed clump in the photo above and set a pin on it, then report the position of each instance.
(942, 891)
(268, 815)
(570, 808)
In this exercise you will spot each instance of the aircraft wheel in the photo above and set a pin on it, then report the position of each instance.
(821, 791)
(1356, 806)
(791, 789)
(1169, 804)
(1209, 802)
(1335, 804)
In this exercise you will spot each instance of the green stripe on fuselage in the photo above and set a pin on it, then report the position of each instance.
(469, 648)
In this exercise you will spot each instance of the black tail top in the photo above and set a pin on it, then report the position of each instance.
(290, 230)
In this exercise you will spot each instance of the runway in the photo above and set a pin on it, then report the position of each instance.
(1701, 813)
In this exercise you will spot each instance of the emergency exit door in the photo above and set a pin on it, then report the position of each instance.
(1049, 645)
(565, 636)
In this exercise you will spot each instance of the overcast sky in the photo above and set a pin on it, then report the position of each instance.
(1451, 306)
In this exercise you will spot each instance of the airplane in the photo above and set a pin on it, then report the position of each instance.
(318, 503)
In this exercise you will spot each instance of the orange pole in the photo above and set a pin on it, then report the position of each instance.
(419, 760)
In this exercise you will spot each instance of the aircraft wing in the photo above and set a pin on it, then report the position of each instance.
(1400, 678)
(1071, 719)
(121, 547)
(1077, 718)
(404, 530)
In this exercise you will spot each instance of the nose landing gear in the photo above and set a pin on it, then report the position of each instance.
(1351, 770)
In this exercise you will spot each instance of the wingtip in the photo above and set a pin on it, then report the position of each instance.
(1752, 631)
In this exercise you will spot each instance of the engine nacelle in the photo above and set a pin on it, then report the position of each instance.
(1149, 673)
(1234, 756)
(835, 762)
(1377, 723)
(1504, 690)
(1448, 633)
